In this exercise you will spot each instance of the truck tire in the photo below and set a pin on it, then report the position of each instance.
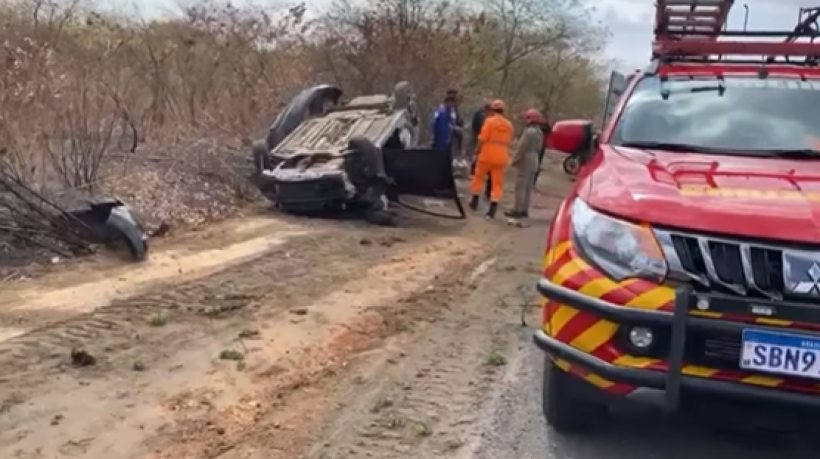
(563, 409)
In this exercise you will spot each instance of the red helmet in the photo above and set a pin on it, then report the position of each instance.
(532, 116)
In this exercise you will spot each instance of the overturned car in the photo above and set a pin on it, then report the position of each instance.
(324, 157)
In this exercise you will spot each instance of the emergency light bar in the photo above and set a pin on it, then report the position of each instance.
(689, 31)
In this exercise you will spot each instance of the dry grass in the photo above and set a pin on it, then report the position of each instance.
(154, 111)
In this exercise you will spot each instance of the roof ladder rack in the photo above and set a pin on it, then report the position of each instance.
(695, 31)
(691, 19)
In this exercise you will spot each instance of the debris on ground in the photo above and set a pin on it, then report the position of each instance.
(81, 358)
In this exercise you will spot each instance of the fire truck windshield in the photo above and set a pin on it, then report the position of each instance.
(736, 115)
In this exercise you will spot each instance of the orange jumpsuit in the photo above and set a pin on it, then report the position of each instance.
(493, 157)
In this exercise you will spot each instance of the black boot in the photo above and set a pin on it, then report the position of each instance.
(513, 214)
(473, 203)
(491, 211)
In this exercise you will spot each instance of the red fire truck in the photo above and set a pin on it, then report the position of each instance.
(683, 269)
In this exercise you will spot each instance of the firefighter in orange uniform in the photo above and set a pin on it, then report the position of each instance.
(493, 156)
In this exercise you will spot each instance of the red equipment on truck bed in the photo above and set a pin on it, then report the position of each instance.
(688, 30)
(683, 19)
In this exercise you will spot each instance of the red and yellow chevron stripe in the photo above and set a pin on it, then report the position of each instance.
(587, 332)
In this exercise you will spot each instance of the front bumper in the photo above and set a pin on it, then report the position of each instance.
(669, 384)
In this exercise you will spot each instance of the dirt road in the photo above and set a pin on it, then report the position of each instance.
(269, 338)
(512, 426)
(266, 338)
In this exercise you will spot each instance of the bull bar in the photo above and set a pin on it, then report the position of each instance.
(680, 320)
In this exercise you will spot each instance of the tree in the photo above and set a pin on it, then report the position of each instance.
(223, 70)
(512, 49)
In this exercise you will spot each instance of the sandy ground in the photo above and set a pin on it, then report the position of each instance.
(266, 337)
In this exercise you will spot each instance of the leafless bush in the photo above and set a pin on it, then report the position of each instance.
(79, 88)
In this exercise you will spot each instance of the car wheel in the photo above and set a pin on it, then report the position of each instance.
(564, 410)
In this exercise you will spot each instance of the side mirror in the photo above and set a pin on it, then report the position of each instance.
(572, 136)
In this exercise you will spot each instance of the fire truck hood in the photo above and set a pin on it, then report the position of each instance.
(760, 197)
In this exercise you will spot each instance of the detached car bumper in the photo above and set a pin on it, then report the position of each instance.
(670, 383)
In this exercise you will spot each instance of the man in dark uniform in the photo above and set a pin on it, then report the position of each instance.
(375, 183)
(458, 131)
(546, 129)
(475, 126)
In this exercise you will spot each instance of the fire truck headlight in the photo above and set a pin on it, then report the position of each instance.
(620, 249)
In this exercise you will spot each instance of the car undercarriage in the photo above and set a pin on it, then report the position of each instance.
(325, 158)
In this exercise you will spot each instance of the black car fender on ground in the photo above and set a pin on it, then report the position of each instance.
(122, 223)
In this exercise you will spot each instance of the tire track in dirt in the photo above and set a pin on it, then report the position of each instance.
(124, 322)
(319, 306)
(119, 322)
(86, 284)
(202, 314)
(279, 421)
(426, 400)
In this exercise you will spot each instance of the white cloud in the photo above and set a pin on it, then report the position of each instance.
(629, 21)
(166, 8)
(632, 11)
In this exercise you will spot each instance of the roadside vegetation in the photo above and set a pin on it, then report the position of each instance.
(154, 110)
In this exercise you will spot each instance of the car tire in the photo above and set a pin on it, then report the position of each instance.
(571, 165)
(564, 410)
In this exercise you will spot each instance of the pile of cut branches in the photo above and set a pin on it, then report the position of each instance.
(28, 219)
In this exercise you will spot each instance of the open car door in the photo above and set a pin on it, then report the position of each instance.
(423, 172)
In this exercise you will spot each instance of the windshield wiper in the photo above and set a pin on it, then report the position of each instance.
(799, 153)
(719, 88)
(682, 147)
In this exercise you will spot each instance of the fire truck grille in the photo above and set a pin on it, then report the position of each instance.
(726, 266)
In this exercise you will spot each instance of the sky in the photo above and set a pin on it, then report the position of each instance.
(631, 23)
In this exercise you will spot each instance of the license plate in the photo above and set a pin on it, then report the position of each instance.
(781, 353)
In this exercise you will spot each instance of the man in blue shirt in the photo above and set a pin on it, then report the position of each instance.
(444, 123)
